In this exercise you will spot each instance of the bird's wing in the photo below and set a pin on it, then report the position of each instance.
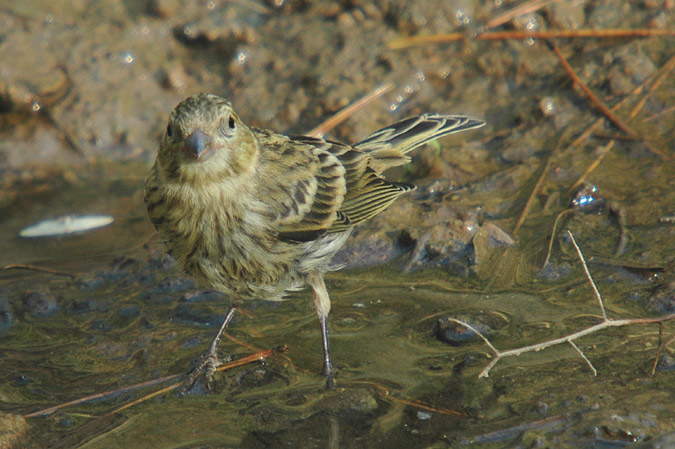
(367, 194)
(320, 187)
(388, 146)
(303, 182)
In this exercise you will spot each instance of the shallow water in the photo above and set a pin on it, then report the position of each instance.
(118, 321)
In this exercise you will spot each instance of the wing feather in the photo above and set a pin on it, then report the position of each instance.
(307, 183)
(389, 146)
(321, 186)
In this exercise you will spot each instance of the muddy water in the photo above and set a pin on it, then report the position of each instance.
(119, 313)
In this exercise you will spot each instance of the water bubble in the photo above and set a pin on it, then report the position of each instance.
(409, 88)
(462, 17)
(547, 106)
(423, 416)
(586, 199)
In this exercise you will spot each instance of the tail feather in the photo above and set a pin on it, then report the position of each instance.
(389, 146)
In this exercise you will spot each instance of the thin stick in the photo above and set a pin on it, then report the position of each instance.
(98, 396)
(604, 152)
(345, 113)
(658, 352)
(412, 41)
(589, 93)
(550, 241)
(656, 77)
(413, 402)
(21, 266)
(535, 190)
(145, 398)
(583, 356)
(609, 113)
(239, 362)
(485, 340)
(658, 115)
(588, 276)
(525, 8)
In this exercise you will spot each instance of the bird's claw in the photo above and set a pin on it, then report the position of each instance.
(207, 366)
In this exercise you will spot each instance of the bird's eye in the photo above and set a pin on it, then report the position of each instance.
(169, 130)
(227, 127)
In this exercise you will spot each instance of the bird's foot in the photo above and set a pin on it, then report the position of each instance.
(207, 368)
(328, 374)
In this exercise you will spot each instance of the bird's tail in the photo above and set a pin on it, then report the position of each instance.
(389, 146)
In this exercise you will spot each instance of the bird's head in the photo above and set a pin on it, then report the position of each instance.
(206, 140)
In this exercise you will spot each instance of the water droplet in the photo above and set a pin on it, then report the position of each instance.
(547, 106)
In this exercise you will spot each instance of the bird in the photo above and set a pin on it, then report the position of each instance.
(256, 214)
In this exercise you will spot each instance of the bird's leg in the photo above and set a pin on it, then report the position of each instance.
(210, 360)
(322, 305)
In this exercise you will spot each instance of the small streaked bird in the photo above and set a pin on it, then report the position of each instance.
(256, 214)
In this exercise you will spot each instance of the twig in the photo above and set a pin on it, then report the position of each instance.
(412, 41)
(603, 152)
(412, 402)
(656, 77)
(589, 93)
(583, 356)
(531, 200)
(525, 8)
(343, 114)
(609, 113)
(546, 423)
(658, 352)
(477, 332)
(658, 115)
(550, 241)
(98, 396)
(145, 398)
(21, 266)
(588, 276)
(569, 339)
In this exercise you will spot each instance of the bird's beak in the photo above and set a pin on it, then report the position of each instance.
(197, 143)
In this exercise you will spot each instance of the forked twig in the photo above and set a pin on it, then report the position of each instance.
(569, 339)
